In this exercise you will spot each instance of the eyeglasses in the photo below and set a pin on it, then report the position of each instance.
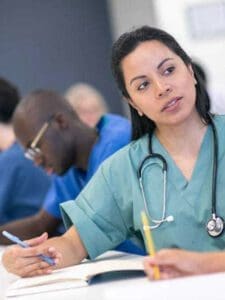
(32, 150)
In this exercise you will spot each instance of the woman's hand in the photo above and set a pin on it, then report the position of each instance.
(25, 261)
(176, 263)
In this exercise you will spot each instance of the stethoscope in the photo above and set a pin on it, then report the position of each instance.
(215, 225)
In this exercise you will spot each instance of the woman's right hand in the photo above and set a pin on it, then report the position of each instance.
(177, 263)
(25, 262)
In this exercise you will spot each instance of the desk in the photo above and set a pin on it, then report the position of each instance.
(205, 287)
(195, 288)
(5, 278)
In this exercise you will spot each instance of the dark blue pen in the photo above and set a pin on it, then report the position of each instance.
(16, 240)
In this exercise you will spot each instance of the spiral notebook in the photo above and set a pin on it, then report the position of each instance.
(76, 276)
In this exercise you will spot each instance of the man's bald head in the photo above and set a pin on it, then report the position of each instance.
(38, 107)
(58, 143)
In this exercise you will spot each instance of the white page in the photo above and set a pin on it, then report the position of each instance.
(6, 279)
(78, 275)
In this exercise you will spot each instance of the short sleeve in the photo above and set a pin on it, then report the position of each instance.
(97, 216)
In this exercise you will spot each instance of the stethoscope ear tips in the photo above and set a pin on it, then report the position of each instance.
(215, 226)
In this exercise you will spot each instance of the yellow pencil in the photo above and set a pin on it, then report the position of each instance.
(149, 243)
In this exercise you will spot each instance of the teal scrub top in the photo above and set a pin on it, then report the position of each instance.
(108, 210)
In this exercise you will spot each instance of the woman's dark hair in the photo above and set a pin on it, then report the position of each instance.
(200, 71)
(127, 43)
(9, 98)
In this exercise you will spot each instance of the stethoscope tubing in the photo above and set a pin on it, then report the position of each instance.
(215, 167)
(217, 221)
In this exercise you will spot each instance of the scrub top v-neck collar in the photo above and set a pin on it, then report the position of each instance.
(201, 169)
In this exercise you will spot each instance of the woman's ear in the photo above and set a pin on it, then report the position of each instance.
(131, 102)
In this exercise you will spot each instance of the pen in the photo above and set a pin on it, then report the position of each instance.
(149, 243)
(23, 244)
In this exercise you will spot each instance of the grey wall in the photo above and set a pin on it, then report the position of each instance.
(54, 43)
(126, 15)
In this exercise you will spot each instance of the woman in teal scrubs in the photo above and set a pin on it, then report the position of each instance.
(169, 109)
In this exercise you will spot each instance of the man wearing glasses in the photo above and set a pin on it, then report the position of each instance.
(56, 139)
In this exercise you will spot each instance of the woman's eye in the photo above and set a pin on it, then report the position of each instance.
(169, 70)
(143, 85)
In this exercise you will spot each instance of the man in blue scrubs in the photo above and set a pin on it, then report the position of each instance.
(55, 138)
(22, 186)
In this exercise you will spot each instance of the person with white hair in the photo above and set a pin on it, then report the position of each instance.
(88, 103)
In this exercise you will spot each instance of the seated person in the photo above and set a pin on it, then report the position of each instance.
(57, 140)
(88, 103)
(22, 185)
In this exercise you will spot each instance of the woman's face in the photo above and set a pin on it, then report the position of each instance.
(159, 84)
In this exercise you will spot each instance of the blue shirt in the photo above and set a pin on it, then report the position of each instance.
(23, 186)
(114, 133)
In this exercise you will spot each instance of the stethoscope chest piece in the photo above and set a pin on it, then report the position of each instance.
(215, 226)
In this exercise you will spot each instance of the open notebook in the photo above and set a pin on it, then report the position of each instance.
(78, 275)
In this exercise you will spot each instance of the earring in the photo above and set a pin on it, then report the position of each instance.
(140, 113)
